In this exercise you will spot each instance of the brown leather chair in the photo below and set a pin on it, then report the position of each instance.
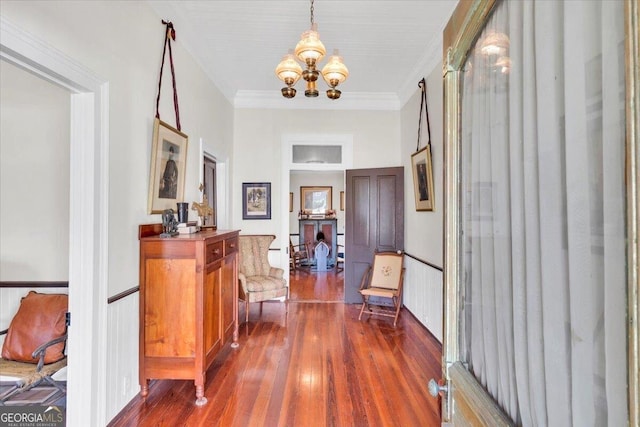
(33, 349)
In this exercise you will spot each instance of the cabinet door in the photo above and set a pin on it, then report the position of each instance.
(227, 283)
(211, 309)
(328, 228)
(308, 231)
(169, 327)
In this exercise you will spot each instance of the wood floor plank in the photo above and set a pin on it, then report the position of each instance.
(307, 363)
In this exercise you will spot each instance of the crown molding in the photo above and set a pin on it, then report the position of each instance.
(431, 59)
(348, 101)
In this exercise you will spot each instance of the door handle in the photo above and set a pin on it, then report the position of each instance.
(438, 387)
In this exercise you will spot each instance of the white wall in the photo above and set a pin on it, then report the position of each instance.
(34, 178)
(424, 230)
(122, 43)
(258, 150)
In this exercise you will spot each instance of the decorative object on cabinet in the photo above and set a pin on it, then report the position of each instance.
(342, 200)
(421, 165)
(256, 200)
(169, 146)
(315, 200)
(169, 224)
(383, 280)
(188, 304)
(203, 208)
(259, 281)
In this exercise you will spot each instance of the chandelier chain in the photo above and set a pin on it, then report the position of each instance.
(312, 13)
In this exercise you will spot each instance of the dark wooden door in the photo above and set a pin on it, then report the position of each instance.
(210, 188)
(374, 221)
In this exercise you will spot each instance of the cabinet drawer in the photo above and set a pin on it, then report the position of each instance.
(214, 252)
(230, 246)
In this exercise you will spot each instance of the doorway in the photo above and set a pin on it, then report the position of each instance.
(341, 147)
(89, 172)
(306, 283)
(209, 189)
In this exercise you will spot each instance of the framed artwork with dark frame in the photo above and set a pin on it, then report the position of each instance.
(256, 200)
(422, 170)
(168, 167)
(315, 200)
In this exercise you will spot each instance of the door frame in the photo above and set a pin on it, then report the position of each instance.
(288, 141)
(222, 182)
(466, 22)
(89, 210)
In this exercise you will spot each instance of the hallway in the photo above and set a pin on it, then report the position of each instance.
(307, 363)
(326, 286)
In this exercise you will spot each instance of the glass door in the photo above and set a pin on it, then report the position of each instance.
(541, 222)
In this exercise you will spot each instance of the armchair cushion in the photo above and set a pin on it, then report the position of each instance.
(263, 283)
(40, 319)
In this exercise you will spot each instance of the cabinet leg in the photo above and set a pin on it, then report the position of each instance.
(200, 399)
(144, 388)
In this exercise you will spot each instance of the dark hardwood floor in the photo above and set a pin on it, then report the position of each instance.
(307, 363)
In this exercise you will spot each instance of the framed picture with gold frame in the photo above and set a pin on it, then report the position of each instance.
(422, 170)
(168, 167)
(342, 200)
(315, 200)
(290, 202)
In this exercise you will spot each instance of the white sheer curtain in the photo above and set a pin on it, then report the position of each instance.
(543, 212)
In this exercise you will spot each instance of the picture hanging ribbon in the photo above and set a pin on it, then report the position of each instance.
(170, 34)
(422, 84)
(421, 164)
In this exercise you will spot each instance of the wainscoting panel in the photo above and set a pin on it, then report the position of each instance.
(423, 294)
(122, 353)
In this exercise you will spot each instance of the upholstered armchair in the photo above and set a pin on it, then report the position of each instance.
(259, 281)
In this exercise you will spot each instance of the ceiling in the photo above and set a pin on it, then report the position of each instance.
(387, 45)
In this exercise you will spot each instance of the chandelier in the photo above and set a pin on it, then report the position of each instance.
(310, 51)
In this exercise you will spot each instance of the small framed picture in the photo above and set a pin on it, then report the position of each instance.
(256, 200)
(168, 167)
(290, 202)
(342, 200)
(423, 179)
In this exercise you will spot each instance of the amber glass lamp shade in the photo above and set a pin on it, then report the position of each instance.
(335, 72)
(310, 49)
(288, 70)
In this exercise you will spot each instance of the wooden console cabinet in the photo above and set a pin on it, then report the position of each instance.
(188, 304)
